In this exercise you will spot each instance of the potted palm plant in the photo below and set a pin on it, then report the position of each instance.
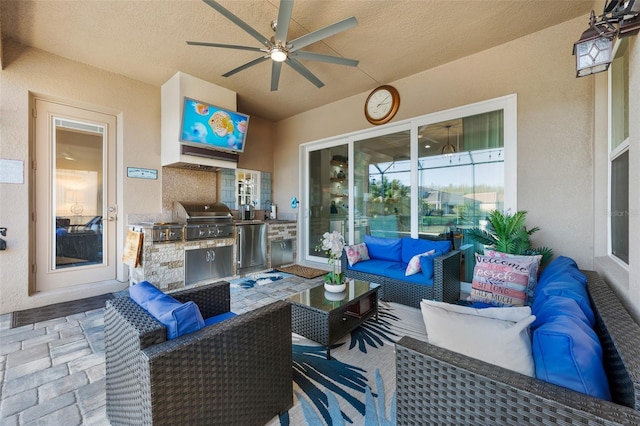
(507, 233)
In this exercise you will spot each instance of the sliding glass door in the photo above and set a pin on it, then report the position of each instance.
(431, 177)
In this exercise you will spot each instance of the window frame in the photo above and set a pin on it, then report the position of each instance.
(617, 151)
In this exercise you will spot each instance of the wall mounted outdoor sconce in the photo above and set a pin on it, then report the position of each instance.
(594, 50)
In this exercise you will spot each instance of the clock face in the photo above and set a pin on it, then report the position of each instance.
(382, 104)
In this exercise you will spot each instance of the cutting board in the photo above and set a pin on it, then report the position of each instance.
(132, 248)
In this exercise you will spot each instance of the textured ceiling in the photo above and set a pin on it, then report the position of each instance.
(146, 40)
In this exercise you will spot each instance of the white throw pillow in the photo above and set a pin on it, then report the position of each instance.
(414, 264)
(499, 336)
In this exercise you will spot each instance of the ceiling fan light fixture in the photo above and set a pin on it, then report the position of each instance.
(278, 54)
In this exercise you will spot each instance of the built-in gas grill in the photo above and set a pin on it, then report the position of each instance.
(204, 220)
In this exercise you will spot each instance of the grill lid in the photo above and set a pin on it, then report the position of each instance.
(185, 212)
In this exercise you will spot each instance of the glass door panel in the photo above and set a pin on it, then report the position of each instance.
(382, 188)
(328, 195)
(78, 203)
(460, 179)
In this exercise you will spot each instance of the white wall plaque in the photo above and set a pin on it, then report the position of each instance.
(138, 173)
(11, 171)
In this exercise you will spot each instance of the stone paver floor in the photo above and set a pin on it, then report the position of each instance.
(53, 372)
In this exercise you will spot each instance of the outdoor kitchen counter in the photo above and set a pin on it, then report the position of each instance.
(267, 221)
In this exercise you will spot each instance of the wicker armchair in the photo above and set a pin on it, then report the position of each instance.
(236, 372)
(440, 387)
(445, 288)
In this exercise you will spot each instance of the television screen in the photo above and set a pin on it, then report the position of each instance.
(209, 126)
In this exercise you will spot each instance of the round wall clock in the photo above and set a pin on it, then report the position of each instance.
(382, 104)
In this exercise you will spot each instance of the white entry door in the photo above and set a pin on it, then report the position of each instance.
(75, 192)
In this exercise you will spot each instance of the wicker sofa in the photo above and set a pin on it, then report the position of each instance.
(445, 288)
(236, 372)
(437, 386)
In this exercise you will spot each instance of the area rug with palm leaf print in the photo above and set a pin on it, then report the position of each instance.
(349, 377)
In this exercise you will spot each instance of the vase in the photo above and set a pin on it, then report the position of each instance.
(335, 288)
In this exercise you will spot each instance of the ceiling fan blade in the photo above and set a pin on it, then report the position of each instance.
(226, 46)
(239, 22)
(245, 66)
(311, 56)
(304, 71)
(283, 21)
(276, 67)
(325, 32)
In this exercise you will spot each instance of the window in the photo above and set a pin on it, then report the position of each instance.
(619, 153)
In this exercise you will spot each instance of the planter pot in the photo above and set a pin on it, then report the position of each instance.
(333, 288)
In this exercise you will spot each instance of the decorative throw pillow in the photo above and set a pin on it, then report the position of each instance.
(414, 264)
(499, 336)
(500, 281)
(534, 267)
(356, 253)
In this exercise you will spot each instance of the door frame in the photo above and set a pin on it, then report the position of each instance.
(121, 270)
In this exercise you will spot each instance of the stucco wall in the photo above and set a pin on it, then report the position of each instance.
(137, 106)
(562, 140)
(555, 131)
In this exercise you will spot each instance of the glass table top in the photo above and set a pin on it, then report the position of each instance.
(319, 298)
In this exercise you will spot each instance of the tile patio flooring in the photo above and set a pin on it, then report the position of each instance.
(53, 372)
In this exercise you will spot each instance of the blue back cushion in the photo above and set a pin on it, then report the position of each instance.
(556, 306)
(413, 246)
(178, 318)
(383, 248)
(561, 268)
(567, 352)
(426, 263)
(571, 289)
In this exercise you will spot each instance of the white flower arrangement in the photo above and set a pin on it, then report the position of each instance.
(332, 243)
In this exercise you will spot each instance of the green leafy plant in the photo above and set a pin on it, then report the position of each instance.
(507, 233)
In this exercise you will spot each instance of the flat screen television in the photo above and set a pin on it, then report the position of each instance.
(209, 126)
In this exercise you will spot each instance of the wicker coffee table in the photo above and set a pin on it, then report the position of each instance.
(327, 317)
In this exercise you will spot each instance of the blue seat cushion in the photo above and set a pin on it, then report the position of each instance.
(571, 289)
(178, 318)
(373, 266)
(556, 306)
(567, 353)
(383, 248)
(413, 246)
(390, 269)
(397, 270)
(219, 318)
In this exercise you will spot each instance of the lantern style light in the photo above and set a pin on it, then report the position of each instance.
(594, 50)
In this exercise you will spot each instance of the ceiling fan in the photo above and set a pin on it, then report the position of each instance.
(279, 49)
